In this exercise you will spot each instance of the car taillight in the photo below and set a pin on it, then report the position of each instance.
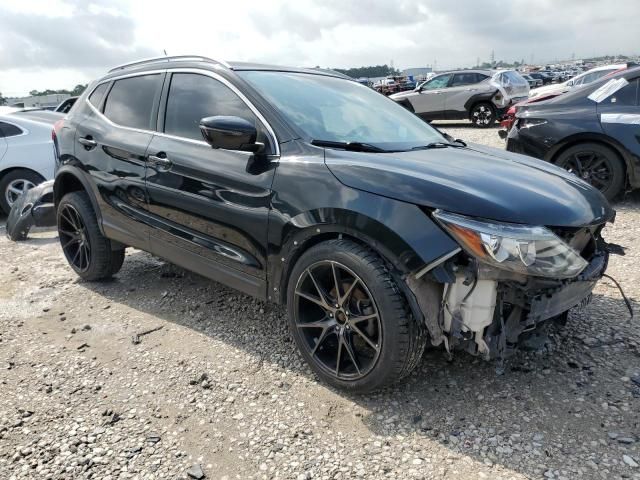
(56, 128)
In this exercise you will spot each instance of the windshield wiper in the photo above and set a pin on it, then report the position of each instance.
(352, 146)
(440, 145)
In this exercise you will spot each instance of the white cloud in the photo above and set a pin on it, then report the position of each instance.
(55, 41)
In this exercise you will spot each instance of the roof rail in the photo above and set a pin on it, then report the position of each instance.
(175, 58)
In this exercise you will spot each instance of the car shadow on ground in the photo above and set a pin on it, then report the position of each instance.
(467, 405)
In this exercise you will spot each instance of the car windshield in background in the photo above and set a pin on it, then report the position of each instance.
(334, 110)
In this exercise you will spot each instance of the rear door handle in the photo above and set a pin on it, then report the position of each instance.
(160, 161)
(88, 142)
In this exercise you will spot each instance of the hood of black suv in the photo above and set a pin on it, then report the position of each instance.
(476, 181)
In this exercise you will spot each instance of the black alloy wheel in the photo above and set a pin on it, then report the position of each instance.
(595, 164)
(338, 319)
(349, 319)
(74, 238)
(91, 255)
(482, 115)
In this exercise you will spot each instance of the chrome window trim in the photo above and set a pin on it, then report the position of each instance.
(197, 71)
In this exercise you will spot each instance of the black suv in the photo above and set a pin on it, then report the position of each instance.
(303, 187)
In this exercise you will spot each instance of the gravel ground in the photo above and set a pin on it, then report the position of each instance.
(217, 389)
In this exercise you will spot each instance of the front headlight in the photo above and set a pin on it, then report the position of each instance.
(523, 249)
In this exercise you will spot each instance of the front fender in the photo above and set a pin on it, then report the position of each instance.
(400, 232)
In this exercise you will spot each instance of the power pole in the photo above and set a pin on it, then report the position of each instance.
(493, 58)
(477, 61)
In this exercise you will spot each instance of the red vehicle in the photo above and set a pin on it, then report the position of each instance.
(509, 118)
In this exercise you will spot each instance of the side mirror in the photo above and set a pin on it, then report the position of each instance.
(570, 83)
(230, 133)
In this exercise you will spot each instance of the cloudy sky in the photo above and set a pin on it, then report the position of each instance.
(60, 43)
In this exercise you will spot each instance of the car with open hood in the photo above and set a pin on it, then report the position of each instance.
(302, 187)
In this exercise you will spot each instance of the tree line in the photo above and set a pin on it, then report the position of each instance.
(368, 72)
(77, 90)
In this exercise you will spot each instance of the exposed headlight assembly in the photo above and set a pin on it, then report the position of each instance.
(524, 249)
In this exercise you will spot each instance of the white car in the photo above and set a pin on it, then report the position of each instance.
(26, 152)
(578, 81)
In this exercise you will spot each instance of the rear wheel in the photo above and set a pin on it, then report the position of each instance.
(482, 115)
(88, 252)
(596, 164)
(14, 183)
(349, 320)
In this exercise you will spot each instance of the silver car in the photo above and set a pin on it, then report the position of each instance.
(478, 95)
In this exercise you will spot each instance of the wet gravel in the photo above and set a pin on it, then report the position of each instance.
(216, 389)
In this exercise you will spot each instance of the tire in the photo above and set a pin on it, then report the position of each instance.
(12, 182)
(395, 340)
(597, 164)
(88, 252)
(482, 115)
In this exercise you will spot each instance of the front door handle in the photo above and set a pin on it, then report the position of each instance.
(88, 142)
(160, 161)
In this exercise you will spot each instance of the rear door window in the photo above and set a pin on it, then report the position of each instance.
(132, 101)
(461, 79)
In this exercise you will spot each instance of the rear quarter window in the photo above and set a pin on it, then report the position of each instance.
(131, 102)
(98, 94)
(9, 130)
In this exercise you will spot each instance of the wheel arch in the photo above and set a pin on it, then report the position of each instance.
(598, 138)
(69, 180)
(397, 248)
(482, 97)
(8, 170)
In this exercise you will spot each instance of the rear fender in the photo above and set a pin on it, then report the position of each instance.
(631, 169)
(70, 177)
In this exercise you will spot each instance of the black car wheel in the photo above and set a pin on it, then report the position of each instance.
(89, 253)
(482, 115)
(14, 183)
(349, 320)
(598, 165)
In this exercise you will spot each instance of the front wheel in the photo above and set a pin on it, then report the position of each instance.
(482, 115)
(88, 252)
(349, 320)
(596, 164)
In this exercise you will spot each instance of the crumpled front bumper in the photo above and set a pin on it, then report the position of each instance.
(33, 208)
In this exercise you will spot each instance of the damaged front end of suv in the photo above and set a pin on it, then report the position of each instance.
(506, 280)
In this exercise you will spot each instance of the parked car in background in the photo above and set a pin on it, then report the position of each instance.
(478, 95)
(509, 118)
(578, 81)
(543, 77)
(284, 183)
(533, 82)
(66, 105)
(26, 152)
(592, 132)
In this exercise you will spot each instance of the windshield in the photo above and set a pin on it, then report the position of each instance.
(337, 110)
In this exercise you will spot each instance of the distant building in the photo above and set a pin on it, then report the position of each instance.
(38, 101)
(417, 73)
